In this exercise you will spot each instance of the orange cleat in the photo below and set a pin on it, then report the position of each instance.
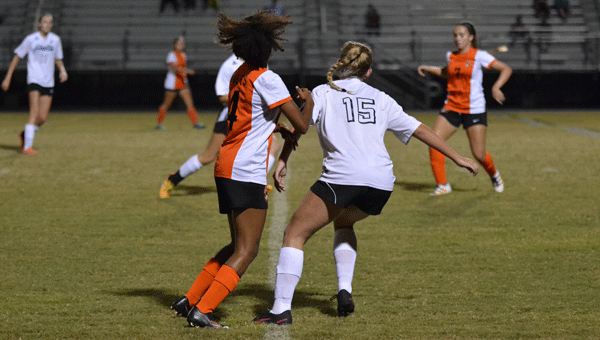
(30, 152)
(165, 189)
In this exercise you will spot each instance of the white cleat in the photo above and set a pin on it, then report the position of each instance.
(497, 182)
(442, 189)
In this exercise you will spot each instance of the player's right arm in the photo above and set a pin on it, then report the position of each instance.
(441, 72)
(300, 119)
(9, 73)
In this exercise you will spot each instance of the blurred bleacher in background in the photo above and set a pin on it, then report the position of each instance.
(131, 35)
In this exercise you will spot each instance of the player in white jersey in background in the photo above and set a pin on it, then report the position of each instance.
(351, 118)
(196, 162)
(43, 50)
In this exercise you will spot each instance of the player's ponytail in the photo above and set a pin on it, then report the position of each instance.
(355, 61)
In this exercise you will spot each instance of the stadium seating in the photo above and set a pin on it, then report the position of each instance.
(133, 35)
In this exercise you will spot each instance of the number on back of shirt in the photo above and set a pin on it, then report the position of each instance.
(233, 104)
(361, 110)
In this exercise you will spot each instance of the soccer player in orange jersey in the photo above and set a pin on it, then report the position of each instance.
(176, 82)
(465, 103)
(209, 155)
(257, 97)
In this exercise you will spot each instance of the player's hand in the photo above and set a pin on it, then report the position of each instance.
(63, 76)
(421, 70)
(287, 134)
(498, 95)
(190, 72)
(5, 84)
(303, 93)
(279, 175)
(468, 164)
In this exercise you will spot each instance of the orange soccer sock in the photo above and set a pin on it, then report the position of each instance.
(203, 281)
(438, 165)
(224, 283)
(488, 164)
(162, 113)
(193, 116)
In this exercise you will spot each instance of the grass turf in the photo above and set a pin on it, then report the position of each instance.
(89, 251)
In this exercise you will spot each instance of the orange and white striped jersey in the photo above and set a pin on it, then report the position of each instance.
(255, 96)
(465, 77)
(176, 80)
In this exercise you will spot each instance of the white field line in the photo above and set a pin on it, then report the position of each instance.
(278, 222)
(583, 132)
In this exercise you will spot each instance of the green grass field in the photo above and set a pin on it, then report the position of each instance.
(89, 251)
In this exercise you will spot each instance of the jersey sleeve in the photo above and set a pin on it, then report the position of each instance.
(318, 95)
(272, 89)
(223, 79)
(171, 58)
(24, 47)
(485, 58)
(448, 58)
(58, 54)
(399, 123)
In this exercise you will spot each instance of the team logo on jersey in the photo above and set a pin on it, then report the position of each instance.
(468, 63)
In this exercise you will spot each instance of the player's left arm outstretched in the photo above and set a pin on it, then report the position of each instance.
(427, 136)
(505, 73)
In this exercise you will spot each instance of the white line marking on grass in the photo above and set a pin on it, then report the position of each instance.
(278, 224)
(583, 132)
(550, 170)
(4, 171)
(533, 123)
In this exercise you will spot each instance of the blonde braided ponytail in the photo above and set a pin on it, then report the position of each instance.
(355, 60)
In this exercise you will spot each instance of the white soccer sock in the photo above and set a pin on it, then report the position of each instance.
(30, 130)
(345, 258)
(192, 165)
(271, 162)
(289, 270)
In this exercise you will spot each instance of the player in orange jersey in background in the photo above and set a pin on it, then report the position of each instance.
(465, 103)
(257, 97)
(176, 83)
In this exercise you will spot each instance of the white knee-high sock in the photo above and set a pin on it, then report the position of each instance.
(289, 270)
(192, 165)
(271, 162)
(344, 253)
(30, 130)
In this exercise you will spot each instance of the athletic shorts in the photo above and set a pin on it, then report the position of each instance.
(369, 200)
(236, 195)
(221, 124)
(44, 91)
(466, 119)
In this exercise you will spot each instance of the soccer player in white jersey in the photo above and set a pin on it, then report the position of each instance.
(43, 50)
(196, 162)
(357, 180)
(466, 103)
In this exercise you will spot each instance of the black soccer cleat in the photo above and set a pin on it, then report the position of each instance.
(198, 319)
(345, 303)
(284, 318)
(182, 306)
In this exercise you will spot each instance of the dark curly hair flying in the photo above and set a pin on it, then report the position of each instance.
(254, 37)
